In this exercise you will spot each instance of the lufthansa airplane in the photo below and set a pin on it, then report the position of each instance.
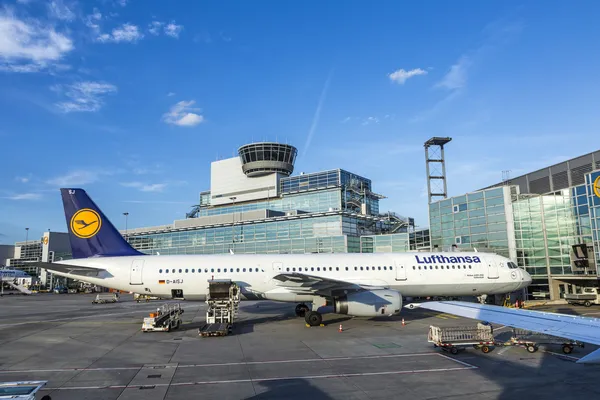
(362, 285)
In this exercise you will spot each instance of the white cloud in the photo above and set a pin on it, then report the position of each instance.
(24, 196)
(153, 187)
(400, 76)
(77, 177)
(30, 46)
(180, 114)
(370, 120)
(91, 21)
(125, 33)
(122, 3)
(173, 30)
(23, 179)
(456, 78)
(154, 27)
(58, 9)
(170, 94)
(84, 96)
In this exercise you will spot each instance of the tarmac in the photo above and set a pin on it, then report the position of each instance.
(89, 351)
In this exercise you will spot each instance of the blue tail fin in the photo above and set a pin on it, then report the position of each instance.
(90, 232)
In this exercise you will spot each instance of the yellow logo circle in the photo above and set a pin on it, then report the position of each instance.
(85, 223)
(596, 186)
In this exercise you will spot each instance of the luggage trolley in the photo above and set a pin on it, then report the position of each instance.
(531, 341)
(454, 339)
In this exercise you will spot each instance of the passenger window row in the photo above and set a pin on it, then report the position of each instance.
(318, 269)
(441, 267)
(206, 270)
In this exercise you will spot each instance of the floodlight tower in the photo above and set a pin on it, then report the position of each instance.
(436, 173)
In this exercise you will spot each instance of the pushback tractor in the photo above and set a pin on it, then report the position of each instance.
(223, 302)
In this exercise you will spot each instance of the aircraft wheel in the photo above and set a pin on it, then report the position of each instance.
(567, 349)
(313, 318)
(301, 310)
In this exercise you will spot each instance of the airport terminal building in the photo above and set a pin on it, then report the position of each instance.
(548, 221)
(255, 205)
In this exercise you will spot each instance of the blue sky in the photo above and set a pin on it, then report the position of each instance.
(131, 100)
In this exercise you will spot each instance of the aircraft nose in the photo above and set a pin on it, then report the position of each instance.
(526, 278)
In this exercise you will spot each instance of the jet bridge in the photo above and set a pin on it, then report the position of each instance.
(223, 301)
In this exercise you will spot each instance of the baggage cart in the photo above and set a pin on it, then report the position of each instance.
(102, 298)
(531, 340)
(455, 339)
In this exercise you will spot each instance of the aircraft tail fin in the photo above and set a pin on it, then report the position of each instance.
(91, 234)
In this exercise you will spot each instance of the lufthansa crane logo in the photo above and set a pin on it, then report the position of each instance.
(85, 223)
(596, 186)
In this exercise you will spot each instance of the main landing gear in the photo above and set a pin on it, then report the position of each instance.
(301, 310)
(312, 318)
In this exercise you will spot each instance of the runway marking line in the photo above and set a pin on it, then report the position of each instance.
(328, 359)
(284, 378)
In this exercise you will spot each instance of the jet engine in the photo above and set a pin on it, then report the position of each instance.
(370, 303)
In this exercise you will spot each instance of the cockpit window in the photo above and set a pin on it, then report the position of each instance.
(512, 265)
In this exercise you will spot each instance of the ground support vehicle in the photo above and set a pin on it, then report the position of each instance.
(531, 341)
(102, 298)
(223, 303)
(165, 319)
(455, 339)
(589, 296)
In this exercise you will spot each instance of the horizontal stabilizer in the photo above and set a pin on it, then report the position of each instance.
(70, 269)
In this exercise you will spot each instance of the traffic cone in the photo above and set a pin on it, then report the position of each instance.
(340, 328)
(403, 324)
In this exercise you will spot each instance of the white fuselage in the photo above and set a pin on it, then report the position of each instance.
(411, 274)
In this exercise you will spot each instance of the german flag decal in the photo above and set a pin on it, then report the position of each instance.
(161, 282)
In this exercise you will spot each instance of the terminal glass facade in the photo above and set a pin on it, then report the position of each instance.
(542, 228)
(394, 243)
(593, 195)
(474, 220)
(325, 212)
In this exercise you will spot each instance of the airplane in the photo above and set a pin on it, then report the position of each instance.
(360, 285)
(14, 278)
(13, 275)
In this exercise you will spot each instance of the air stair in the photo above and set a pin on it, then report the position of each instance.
(18, 287)
(223, 302)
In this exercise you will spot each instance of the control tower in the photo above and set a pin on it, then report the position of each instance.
(259, 159)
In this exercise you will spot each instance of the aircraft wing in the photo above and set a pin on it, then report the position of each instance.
(317, 285)
(583, 329)
(70, 269)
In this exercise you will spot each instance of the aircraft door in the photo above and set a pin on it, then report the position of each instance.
(135, 276)
(401, 271)
(492, 268)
